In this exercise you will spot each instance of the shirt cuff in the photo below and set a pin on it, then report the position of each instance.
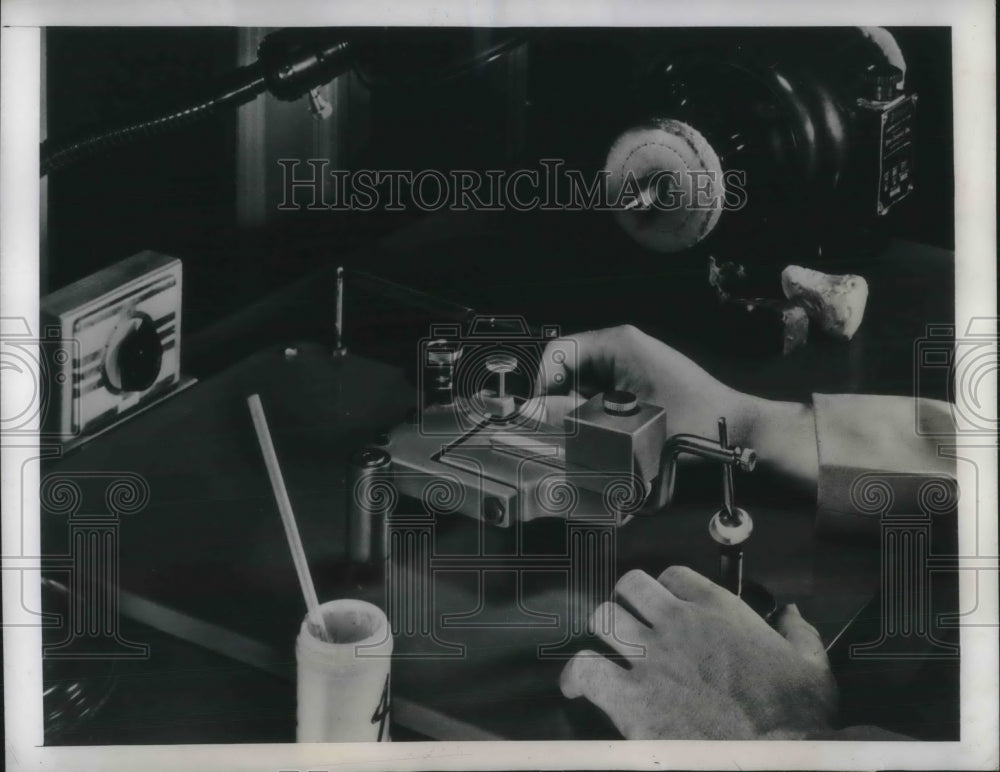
(879, 456)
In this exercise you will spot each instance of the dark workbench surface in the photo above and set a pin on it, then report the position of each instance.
(206, 559)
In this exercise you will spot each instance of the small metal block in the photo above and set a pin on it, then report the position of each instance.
(626, 443)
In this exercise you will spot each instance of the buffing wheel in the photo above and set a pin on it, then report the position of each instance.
(687, 204)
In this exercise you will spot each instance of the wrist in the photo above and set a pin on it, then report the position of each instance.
(782, 433)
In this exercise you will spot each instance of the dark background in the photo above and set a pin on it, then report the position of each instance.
(176, 193)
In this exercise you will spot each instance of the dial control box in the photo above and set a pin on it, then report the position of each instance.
(116, 335)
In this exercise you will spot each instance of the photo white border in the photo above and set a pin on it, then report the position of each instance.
(974, 79)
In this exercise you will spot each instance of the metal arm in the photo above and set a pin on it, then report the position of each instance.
(712, 450)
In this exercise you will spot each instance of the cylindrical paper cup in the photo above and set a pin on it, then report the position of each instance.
(343, 685)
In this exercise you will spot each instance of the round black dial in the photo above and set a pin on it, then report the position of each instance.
(134, 355)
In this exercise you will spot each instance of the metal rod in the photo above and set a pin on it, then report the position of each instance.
(414, 298)
(340, 309)
(692, 444)
(644, 197)
(723, 434)
(727, 472)
(731, 569)
(642, 202)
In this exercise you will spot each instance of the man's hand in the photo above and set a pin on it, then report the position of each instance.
(628, 359)
(711, 669)
(578, 366)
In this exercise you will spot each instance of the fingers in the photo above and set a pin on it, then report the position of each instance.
(608, 686)
(689, 585)
(649, 599)
(583, 362)
(618, 629)
(802, 635)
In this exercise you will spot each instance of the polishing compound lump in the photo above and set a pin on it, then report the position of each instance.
(835, 303)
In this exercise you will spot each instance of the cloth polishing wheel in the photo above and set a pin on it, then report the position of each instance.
(665, 181)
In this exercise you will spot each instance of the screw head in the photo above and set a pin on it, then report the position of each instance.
(371, 458)
(493, 510)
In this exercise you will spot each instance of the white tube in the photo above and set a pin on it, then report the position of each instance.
(343, 685)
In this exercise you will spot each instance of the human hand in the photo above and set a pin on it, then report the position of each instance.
(625, 358)
(576, 367)
(711, 669)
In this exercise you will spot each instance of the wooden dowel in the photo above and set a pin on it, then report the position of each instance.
(287, 515)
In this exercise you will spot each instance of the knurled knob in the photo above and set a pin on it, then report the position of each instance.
(882, 82)
(620, 402)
